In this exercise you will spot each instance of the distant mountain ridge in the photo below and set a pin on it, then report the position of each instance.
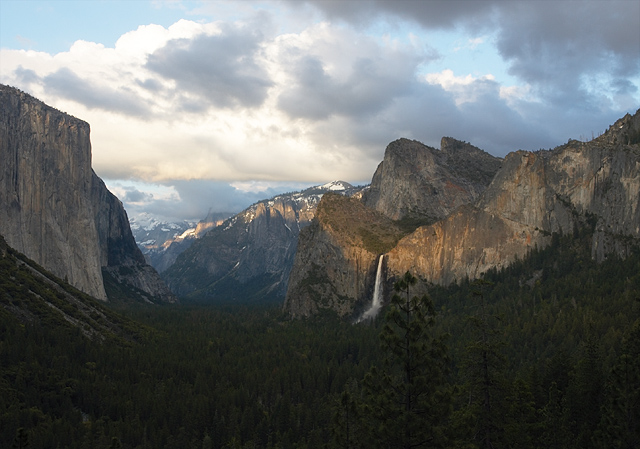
(593, 185)
(250, 255)
(57, 211)
(162, 241)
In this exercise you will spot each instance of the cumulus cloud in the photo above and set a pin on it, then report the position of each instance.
(339, 69)
(133, 195)
(308, 92)
(222, 69)
(465, 89)
(432, 14)
(361, 81)
(65, 83)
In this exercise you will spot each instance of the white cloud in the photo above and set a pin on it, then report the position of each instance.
(267, 93)
(470, 44)
(474, 42)
(464, 88)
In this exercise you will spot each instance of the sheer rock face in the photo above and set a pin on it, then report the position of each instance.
(53, 207)
(533, 194)
(419, 182)
(335, 265)
(595, 183)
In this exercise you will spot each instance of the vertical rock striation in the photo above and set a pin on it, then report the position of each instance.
(594, 184)
(53, 207)
(481, 212)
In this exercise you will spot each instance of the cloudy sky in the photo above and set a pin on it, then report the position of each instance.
(199, 105)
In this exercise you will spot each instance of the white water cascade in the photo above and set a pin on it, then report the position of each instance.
(376, 302)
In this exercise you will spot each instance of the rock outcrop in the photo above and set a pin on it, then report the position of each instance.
(594, 184)
(335, 266)
(55, 209)
(422, 184)
(413, 185)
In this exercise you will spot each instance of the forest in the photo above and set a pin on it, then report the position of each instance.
(544, 353)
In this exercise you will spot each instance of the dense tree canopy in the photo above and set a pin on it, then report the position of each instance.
(559, 334)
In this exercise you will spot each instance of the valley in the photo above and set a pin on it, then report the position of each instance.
(506, 297)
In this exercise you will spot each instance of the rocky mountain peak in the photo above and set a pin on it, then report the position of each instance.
(625, 131)
(421, 184)
(249, 256)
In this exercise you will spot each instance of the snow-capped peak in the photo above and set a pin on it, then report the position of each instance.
(335, 186)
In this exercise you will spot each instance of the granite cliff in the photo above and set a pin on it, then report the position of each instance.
(56, 210)
(593, 185)
(335, 265)
(535, 194)
(421, 184)
(338, 254)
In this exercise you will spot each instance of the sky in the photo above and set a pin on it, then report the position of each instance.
(199, 106)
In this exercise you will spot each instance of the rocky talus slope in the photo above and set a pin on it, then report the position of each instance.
(56, 210)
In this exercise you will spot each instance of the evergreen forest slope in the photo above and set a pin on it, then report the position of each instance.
(565, 334)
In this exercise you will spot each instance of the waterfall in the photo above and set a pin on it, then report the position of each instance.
(376, 302)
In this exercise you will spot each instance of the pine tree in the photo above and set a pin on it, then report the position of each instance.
(485, 388)
(407, 400)
(555, 433)
(585, 394)
(22, 439)
(346, 424)
(620, 422)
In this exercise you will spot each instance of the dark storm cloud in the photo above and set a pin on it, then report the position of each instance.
(317, 95)
(66, 84)
(577, 57)
(150, 84)
(26, 76)
(431, 13)
(134, 195)
(222, 69)
(430, 112)
(556, 46)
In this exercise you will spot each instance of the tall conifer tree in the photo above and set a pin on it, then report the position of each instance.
(407, 399)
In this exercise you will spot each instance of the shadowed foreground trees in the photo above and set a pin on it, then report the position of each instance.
(240, 376)
(406, 401)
